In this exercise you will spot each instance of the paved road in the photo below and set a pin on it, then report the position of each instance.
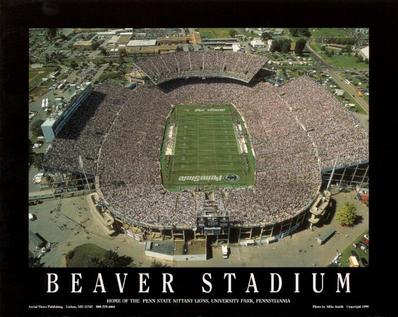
(299, 250)
(72, 226)
(351, 90)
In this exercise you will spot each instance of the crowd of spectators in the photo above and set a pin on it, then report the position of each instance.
(165, 67)
(123, 133)
(83, 133)
(283, 187)
(338, 134)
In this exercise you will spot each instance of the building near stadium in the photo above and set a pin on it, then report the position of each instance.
(204, 150)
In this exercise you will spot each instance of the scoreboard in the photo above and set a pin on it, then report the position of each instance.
(212, 224)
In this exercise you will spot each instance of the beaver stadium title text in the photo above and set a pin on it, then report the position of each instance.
(143, 283)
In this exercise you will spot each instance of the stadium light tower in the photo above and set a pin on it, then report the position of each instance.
(331, 175)
(84, 172)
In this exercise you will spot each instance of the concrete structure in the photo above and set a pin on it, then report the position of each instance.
(142, 43)
(112, 41)
(47, 128)
(36, 241)
(106, 33)
(236, 47)
(319, 207)
(124, 38)
(103, 217)
(86, 45)
(257, 42)
(177, 250)
(364, 52)
(339, 92)
(269, 44)
(193, 38)
(53, 125)
(145, 50)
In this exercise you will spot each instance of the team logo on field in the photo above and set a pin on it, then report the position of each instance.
(232, 178)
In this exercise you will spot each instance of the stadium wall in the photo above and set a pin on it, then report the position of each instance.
(260, 233)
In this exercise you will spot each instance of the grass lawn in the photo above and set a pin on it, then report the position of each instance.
(203, 150)
(35, 75)
(108, 75)
(215, 32)
(340, 61)
(347, 253)
(332, 32)
(39, 91)
(345, 61)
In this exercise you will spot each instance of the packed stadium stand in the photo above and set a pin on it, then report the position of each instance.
(166, 67)
(297, 130)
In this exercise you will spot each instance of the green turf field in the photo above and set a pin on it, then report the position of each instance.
(201, 150)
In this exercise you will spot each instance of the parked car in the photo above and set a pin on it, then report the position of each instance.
(38, 177)
(363, 246)
(32, 114)
(225, 251)
(37, 145)
(364, 262)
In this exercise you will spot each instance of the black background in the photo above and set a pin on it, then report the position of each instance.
(20, 286)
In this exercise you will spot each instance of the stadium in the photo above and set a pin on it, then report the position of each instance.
(206, 149)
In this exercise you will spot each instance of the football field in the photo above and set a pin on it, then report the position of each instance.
(204, 151)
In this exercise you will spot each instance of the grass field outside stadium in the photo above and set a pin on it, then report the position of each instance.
(206, 147)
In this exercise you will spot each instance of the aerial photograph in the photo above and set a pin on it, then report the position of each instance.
(198, 147)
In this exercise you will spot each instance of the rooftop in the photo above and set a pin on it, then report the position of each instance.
(171, 247)
(365, 51)
(141, 43)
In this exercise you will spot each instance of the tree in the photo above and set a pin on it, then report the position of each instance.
(285, 46)
(300, 32)
(281, 45)
(38, 160)
(266, 36)
(112, 259)
(73, 64)
(293, 31)
(99, 61)
(306, 32)
(122, 53)
(300, 45)
(103, 51)
(51, 33)
(158, 264)
(346, 215)
(329, 53)
(232, 33)
(36, 127)
(95, 44)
